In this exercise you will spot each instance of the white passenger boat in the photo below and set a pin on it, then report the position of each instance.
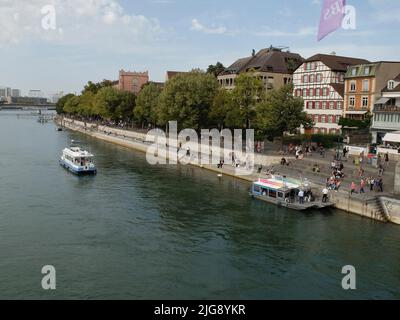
(284, 193)
(78, 161)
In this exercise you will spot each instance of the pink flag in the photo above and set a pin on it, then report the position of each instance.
(331, 17)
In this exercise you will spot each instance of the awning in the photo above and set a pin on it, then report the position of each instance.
(392, 137)
(382, 101)
(356, 112)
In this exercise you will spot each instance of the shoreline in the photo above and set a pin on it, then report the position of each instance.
(374, 207)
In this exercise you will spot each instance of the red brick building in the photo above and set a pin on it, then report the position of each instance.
(132, 81)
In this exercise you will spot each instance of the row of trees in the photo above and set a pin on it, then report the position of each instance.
(195, 100)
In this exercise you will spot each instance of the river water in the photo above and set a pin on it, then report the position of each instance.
(137, 231)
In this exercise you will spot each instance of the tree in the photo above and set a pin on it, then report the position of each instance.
(72, 105)
(146, 104)
(187, 99)
(281, 112)
(221, 105)
(107, 101)
(215, 69)
(61, 103)
(248, 92)
(95, 87)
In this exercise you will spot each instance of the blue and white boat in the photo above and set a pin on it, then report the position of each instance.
(78, 161)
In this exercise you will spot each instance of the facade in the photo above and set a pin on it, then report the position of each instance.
(5, 93)
(35, 93)
(386, 111)
(320, 82)
(274, 66)
(363, 86)
(15, 93)
(27, 100)
(132, 81)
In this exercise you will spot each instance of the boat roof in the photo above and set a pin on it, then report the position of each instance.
(77, 152)
(282, 184)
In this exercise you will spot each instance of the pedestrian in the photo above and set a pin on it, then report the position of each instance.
(371, 184)
(387, 159)
(380, 185)
(301, 196)
(362, 186)
(353, 188)
(325, 193)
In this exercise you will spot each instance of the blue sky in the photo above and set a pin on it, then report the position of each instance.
(93, 39)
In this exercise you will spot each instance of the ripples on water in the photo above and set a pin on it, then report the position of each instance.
(162, 232)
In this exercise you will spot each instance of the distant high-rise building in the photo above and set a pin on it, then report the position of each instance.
(53, 98)
(35, 94)
(15, 93)
(5, 92)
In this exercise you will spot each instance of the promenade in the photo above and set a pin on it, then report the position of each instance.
(366, 204)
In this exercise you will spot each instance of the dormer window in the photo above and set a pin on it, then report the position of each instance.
(390, 85)
(367, 70)
(354, 71)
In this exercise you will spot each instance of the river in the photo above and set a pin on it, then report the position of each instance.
(137, 231)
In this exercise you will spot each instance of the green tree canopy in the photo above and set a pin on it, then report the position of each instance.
(111, 103)
(62, 101)
(248, 92)
(221, 106)
(215, 69)
(95, 87)
(187, 99)
(146, 104)
(281, 113)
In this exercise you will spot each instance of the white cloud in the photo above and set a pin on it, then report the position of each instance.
(77, 21)
(197, 26)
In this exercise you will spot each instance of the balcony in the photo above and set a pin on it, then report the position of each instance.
(387, 109)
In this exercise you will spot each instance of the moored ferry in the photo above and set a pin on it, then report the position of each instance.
(285, 192)
(78, 161)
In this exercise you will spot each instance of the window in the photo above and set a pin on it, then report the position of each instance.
(325, 91)
(365, 85)
(352, 86)
(319, 77)
(318, 92)
(367, 70)
(304, 93)
(352, 102)
(365, 102)
(341, 77)
(311, 92)
(305, 78)
(339, 105)
(391, 85)
(354, 71)
(324, 105)
(312, 78)
(330, 119)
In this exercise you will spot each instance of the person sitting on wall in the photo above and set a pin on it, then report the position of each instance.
(283, 161)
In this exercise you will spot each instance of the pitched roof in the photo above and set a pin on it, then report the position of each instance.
(267, 60)
(339, 88)
(336, 63)
(396, 89)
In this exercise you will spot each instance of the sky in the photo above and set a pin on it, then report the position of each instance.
(94, 39)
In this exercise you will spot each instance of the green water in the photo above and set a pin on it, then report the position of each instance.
(137, 231)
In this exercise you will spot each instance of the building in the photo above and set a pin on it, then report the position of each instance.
(53, 98)
(27, 100)
(386, 111)
(320, 81)
(273, 65)
(34, 93)
(5, 92)
(132, 81)
(15, 93)
(363, 86)
(172, 74)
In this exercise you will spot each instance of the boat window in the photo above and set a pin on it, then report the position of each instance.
(264, 192)
(256, 189)
(280, 194)
(272, 193)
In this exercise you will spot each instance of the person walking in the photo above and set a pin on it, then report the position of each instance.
(380, 185)
(387, 159)
(371, 184)
(362, 186)
(325, 193)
